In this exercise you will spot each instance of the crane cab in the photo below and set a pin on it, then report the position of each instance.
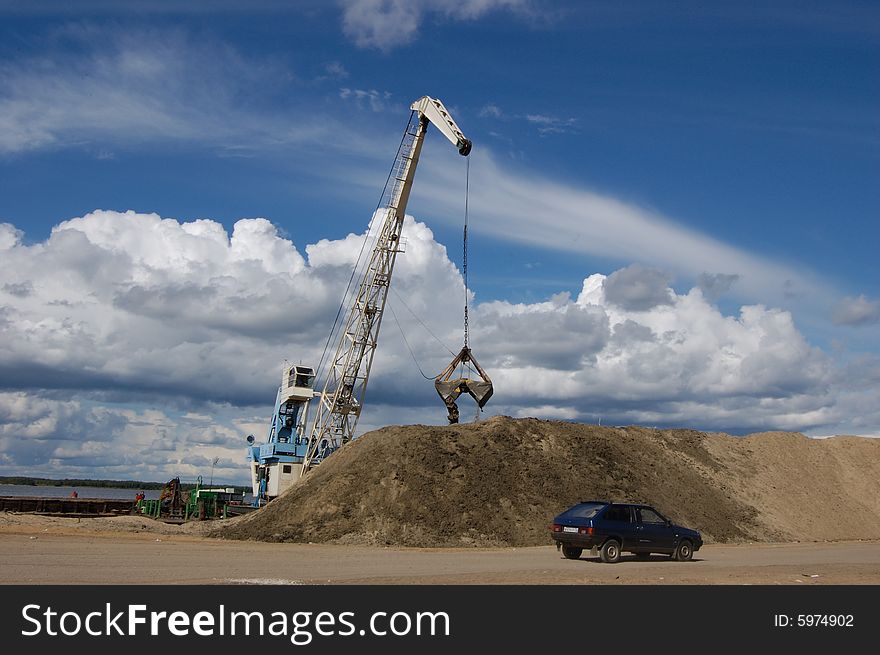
(297, 384)
(276, 464)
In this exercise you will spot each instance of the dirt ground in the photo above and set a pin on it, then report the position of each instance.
(131, 550)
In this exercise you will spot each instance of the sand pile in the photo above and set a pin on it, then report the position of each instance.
(500, 482)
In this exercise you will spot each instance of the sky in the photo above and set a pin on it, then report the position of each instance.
(673, 217)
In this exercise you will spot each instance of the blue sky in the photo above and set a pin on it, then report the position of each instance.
(729, 150)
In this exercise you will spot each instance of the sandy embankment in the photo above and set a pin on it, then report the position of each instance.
(499, 483)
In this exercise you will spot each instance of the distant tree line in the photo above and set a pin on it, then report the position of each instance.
(77, 482)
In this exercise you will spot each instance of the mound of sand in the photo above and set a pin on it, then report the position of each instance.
(501, 481)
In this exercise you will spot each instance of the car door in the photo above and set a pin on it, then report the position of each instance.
(620, 521)
(654, 532)
(630, 529)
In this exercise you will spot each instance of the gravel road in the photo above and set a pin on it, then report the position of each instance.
(37, 550)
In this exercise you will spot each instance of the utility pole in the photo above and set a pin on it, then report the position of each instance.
(213, 464)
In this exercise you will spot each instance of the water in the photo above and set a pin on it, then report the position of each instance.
(84, 492)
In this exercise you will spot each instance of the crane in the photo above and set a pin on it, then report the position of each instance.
(342, 398)
(289, 453)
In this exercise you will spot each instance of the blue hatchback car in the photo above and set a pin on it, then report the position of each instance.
(613, 528)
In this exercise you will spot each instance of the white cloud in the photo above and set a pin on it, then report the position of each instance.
(144, 87)
(387, 24)
(637, 288)
(544, 123)
(130, 302)
(649, 360)
(551, 124)
(553, 335)
(129, 332)
(375, 100)
(715, 285)
(857, 311)
(334, 70)
(9, 236)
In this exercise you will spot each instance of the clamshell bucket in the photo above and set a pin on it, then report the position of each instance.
(451, 388)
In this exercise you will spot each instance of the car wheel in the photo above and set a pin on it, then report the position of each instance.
(684, 551)
(572, 552)
(610, 553)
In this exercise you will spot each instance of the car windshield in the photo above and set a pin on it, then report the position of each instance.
(582, 511)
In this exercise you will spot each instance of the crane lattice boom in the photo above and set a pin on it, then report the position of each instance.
(342, 397)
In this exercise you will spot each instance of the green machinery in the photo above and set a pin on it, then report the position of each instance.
(177, 506)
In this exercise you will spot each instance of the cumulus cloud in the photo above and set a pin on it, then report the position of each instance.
(128, 301)
(9, 236)
(715, 285)
(857, 311)
(516, 335)
(637, 288)
(681, 351)
(387, 24)
(128, 332)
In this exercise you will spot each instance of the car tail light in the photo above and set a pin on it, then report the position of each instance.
(585, 530)
(556, 527)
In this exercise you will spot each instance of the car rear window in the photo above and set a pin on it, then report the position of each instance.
(583, 511)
